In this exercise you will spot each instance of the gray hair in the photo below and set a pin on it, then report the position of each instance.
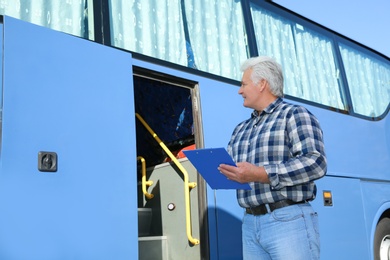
(264, 67)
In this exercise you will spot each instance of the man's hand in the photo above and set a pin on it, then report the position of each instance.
(244, 172)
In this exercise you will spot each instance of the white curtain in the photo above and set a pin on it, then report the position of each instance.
(275, 38)
(217, 36)
(307, 58)
(153, 28)
(317, 69)
(205, 34)
(68, 16)
(368, 80)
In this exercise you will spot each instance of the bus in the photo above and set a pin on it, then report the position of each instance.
(100, 98)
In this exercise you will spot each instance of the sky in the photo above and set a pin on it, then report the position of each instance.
(367, 22)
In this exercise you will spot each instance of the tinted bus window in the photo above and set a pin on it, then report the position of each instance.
(307, 57)
(65, 16)
(369, 81)
(152, 28)
(205, 35)
(217, 36)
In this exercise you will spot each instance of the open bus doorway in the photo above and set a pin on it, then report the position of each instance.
(167, 109)
(165, 105)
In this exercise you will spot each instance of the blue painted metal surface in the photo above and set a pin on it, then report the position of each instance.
(73, 97)
(342, 226)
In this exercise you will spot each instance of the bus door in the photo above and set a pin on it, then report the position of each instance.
(67, 148)
(170, 214)
(222, 110)
(184, 112)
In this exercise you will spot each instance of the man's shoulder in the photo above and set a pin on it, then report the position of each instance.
(287, 105)
(297, 113)
(292, 110)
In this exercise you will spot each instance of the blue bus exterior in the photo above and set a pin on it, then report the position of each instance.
(77, 99)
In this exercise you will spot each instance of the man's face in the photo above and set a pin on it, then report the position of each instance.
(249, 91)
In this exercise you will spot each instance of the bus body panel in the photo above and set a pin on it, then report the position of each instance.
(375, 201)
(341, 224)
(348, 138)
(71, 97)
(75, 98)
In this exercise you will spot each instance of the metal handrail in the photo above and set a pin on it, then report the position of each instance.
(187, 185)
(144, 181)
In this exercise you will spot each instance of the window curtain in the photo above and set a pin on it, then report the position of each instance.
(307, 58)
(274, 38)
(217, 36)
(368, 80)
(204, 34)
(66, 16)
(153, 28)
(316, 67)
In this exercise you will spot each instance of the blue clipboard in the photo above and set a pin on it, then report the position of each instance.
(207, 160)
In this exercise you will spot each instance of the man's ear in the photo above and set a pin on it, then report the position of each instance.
(262, 84)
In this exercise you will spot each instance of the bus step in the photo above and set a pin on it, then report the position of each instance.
(153, 248)
(144, 221)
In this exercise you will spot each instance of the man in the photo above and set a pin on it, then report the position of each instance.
(279, 151)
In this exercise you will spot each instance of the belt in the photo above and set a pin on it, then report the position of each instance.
(262, 209)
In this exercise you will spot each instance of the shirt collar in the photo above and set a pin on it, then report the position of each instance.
(268, 110)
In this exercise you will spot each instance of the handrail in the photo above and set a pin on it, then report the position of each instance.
(144, 181)
(187, 184)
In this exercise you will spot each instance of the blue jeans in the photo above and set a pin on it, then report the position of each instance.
(286, 233)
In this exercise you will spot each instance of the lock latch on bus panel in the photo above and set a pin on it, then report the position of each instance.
(47, 161)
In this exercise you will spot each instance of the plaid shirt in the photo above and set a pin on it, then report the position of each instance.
(287, 141)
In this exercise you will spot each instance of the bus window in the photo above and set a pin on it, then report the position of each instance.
(217, 35)
(205, 35)
(71, 17)
(369, 81)
(152, 28)
(306, 56)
